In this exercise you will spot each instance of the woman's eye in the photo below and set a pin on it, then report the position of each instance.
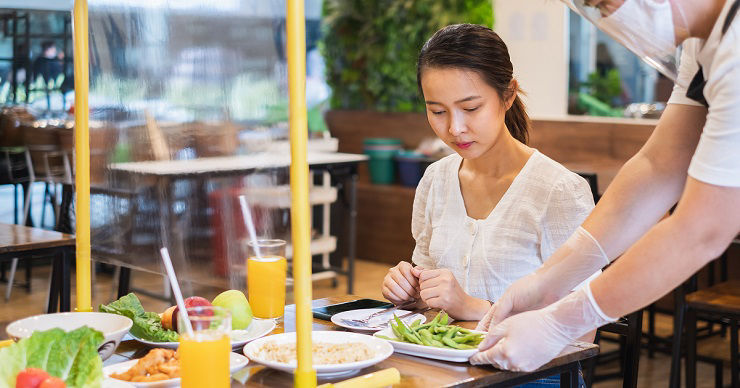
(471, 109)
(438, 112)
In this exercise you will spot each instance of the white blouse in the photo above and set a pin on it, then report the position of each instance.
(543, 206)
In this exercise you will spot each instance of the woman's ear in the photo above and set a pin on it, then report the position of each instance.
(511, 93)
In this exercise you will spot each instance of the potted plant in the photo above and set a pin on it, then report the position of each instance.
(370, 49)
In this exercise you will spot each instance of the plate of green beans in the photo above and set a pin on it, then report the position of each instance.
(435, 339)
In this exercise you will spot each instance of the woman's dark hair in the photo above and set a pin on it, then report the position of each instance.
(477, 48)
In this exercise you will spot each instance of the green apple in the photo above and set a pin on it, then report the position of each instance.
(236, 302)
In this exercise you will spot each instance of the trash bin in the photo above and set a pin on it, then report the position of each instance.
(410, 167)
(382, 152)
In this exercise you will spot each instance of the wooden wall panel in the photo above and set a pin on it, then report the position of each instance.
(384, 222)
(351, 127)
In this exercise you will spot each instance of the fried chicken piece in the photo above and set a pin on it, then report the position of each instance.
(171, 368)
(158, 364)
(154, 358)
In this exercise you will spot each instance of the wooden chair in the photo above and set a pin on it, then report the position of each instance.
(723, 301)
(629, 328)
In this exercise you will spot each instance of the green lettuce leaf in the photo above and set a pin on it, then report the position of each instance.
(87, 369)
(147, 325)
(71, 356)
(12, 361)
(39, 347)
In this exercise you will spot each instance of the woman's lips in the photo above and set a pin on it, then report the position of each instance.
(464, 146)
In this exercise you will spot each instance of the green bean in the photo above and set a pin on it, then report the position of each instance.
(451, 332)
(413, 338)
(467, 338)
(386, 338)
(441, 329)
(445, 318)
(415, 323)
(396, 331)
(451, 343)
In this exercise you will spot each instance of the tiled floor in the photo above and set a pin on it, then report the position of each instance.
(653, 372)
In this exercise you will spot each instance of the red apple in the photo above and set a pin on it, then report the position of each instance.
(30, 378)
(53, 382)
(193, 301)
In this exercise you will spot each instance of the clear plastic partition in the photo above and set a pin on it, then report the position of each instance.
(188, 103)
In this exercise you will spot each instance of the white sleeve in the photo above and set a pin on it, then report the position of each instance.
(717, 157)
(569, 204)
(421, 223)
(686, 71)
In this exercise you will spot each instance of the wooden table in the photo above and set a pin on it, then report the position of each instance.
(26, 243)
(415, 371)
(339, 167)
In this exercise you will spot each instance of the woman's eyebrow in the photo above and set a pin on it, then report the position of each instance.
(469, 98)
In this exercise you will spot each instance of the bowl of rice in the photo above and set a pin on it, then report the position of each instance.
(334, 353)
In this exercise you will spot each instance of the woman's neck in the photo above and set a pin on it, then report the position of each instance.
(505, 157)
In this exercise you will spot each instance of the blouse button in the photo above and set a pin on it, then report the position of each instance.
(472, 227)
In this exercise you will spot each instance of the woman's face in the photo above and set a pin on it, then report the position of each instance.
(463, 110)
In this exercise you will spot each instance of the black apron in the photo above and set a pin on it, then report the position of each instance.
(696, 87)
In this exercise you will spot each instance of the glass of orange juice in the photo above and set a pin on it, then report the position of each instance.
(266, 278)
(204, 355)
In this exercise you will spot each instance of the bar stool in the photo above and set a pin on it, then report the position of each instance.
(721, 300)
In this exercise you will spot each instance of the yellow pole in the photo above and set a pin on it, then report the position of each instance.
(82, 156)
(305, 376)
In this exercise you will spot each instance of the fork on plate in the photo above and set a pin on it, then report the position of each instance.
(364, 323)
(366, 320)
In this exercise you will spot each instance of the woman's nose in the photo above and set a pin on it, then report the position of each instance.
(457, 124)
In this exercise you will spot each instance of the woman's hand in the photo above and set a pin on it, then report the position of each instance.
(400, 285)
(440, 289)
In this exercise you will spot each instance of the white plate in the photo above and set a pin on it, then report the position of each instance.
(375, 324)
(444, 354)
(236, 362)
(258, 328)
(381, 348)
(109, 382)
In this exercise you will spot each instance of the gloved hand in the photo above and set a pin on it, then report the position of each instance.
(528, 340)
(578, 258)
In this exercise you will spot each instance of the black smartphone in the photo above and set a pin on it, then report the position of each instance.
(325, 312)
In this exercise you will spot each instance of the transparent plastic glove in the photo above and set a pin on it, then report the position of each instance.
(529, 340)
(578, 258)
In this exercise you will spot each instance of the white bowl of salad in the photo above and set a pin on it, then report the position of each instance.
(113, 327)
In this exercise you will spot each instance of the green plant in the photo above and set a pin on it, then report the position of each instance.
(605, 87)
(371, 47)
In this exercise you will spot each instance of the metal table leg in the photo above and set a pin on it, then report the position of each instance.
(124, 281)
(352, 232)
(64, 298)
(55, 286)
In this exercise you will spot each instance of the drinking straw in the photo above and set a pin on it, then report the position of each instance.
(250, 225)
(176, 289)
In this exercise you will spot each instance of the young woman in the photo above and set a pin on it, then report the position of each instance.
(493, 211)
